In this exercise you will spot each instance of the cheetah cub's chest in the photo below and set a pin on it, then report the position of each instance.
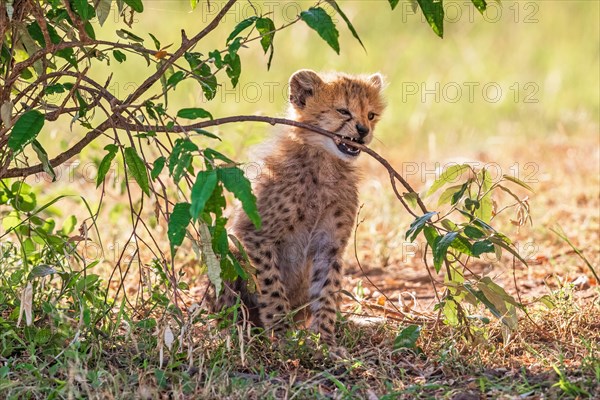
(308, 201)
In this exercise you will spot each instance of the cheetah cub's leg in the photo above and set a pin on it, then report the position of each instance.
(273, 304)
(325, 285)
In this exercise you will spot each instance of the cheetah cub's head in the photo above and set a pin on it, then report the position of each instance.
(347, 105)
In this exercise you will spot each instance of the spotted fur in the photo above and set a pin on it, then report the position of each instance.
(307, 198)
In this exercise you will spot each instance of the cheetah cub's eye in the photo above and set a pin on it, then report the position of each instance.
(371, 116)
(344, 112)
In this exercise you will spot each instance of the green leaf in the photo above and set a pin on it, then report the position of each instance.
(473, 232)
(175, 78)
(498, 241)
(157, 167)
(137, 168)
(480, 5)
(180, 158)
(119, 56)
(266, 28)
(447, 196)
(321, 22)
(337, 8)
(518, 182)
(54, 89)
(234, 181)
(155, 40)
(178, 222)
(40, 271)
(451, 174)
(89, 29)
(417, 225)
(43, 157)
(240, 27)
(207, 133)
(203, 74)
(83, 9)
(393, 3)
(502, 300)
(216, 56)
(481, 297)
(439, 253)
(484, 212)
(124, 34)
(456, 197)
(136, 5)
(234, 63)
(481, 247)
(434, 14)
(194, 113)
(25, 130)
(105, 163)
(431, 234)
(411, 198)
(202, 191)
(36, 33)
(407, 338)
(69, 225)
(462, 245)
(213, 154)
(449, 225)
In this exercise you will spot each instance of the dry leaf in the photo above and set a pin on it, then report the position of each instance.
(26, 305)
(6, 113)
(169, 337)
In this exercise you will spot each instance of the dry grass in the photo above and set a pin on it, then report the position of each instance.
(564, 338)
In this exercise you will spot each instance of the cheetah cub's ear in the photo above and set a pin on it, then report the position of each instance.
(377, 81)
(303, 84)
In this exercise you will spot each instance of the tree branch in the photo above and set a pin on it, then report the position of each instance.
(121, 123)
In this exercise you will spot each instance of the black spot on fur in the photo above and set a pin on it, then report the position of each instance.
(328, 310)
(326, 329)
(336, 266)
(268, 281)
(316, 276)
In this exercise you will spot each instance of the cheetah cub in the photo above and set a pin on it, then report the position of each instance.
(307, 198)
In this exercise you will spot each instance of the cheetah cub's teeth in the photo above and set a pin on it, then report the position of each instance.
(349, 149)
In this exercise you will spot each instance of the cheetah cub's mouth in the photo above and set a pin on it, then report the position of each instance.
(349, 149)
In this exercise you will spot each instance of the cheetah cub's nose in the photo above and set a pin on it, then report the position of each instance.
(362, 130)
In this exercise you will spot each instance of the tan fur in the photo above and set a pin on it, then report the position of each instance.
(307, 198)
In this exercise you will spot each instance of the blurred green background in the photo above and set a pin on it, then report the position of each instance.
(526, 68)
